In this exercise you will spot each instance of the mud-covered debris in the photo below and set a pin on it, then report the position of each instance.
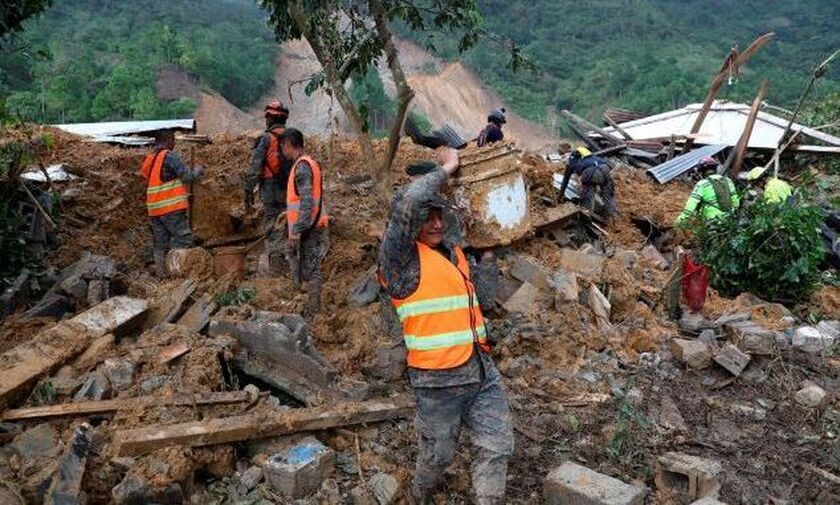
(299, 471)
(732, 359)
(573, 483)
(810, 396)
(696, 354)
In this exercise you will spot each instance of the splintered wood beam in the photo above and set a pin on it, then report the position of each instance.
(110, 406)
(238, 428)
(22, 366)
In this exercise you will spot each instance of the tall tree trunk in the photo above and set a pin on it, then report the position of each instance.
(404, 96)
(334, 81)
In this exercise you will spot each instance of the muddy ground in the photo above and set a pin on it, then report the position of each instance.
(551, 356)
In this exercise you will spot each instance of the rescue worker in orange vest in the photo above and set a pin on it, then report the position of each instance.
(307, 218)
(269, 170)
(438, 295)
(167, 198)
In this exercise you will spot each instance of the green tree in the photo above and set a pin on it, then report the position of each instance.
(14, 12)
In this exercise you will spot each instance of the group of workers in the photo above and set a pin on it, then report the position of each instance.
(290, 185)
(715, 194)
(436, 288)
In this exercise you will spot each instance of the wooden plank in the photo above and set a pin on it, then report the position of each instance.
(22, 366)
(617, 128)
(737, 154)
(109, 406)
(238, 428)
(173, 351)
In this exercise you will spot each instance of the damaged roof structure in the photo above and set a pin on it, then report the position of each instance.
(131, 133)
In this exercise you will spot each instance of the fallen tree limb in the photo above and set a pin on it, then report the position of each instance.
(110, 406)
(238, 428)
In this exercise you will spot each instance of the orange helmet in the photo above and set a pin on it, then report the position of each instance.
(275, 108)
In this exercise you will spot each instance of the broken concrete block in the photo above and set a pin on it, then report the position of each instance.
(693, 322)
(811, 340)
(810, 396)
(527, 269)
(696, 354)
(752, 338)
(385, 488)
(690, 476)
(299, 471)
(523, 300)
(565, 286)
(670, 417)
(732, 359)
(249, 480)
(708, 337)
(571, 483)
(653, 255)
(829, 329)
(737, 317)
(587, 265)
(120, 373)
(95, 388)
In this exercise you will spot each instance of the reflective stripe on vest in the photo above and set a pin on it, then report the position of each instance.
(162, 197)
(441, 320)
(293, 198)
(273, 161)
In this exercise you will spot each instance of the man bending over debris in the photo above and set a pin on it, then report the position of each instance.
(438, 299)
(712, 196)
(493, 131)
(594, 173)
(167, 198)
(307, 218)
(269, 170)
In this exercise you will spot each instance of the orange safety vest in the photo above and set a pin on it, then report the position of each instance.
(441, 320)
(293, 199)
(273, 157)
(162, 197)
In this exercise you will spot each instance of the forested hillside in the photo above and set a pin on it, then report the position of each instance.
(649, 55)
(98, 59)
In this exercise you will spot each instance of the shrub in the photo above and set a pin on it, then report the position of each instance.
(768, 249)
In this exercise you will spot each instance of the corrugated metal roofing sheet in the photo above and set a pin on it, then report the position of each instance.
(117, 128)
(572, 189)
(675, 167)
(722, 126)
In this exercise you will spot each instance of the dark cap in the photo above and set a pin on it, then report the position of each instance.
(294, 136)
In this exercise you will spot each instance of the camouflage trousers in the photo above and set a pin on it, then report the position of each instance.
(597, 178)
(305, 265)
(273, 196)
(483, 409)
(170, 231)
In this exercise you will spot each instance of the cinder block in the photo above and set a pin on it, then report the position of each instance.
(298, 471)
(691, 476)
(572, 484)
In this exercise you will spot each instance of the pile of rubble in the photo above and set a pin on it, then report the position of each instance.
(119, 388)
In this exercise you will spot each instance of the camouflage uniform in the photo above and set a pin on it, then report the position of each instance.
(272, 195)
(305, 260)
(471, 394)
(172, 231)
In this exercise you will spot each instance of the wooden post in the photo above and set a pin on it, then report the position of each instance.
(579, 120)
(740, 149)
(739, 60)
(618, 128)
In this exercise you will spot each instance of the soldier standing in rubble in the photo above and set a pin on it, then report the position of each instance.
(438, 297)
(307, 218)
(167, 198)
(269, 170)
(493, 131)
(594, 173)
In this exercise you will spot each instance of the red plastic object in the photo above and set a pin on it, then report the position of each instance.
(695, 282)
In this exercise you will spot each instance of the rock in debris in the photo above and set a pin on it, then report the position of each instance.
(120, 373)
(36, 445)
(670, 417)
(736, 317)
(709, 337)
(571, 483)
(385, 488)
(752, 338)
(249, 479)
(565, 286)
(587, 265)
(361, 495)
(389, 362)
(524, 299)
(527, 269)
(364, 290)
(810, 396)
(695, 354)
(732, 359)
(829, 329)
(134, 489)
(95, 388)
(811, 340)
(600, 307)
(693, 322)
(653, 255)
